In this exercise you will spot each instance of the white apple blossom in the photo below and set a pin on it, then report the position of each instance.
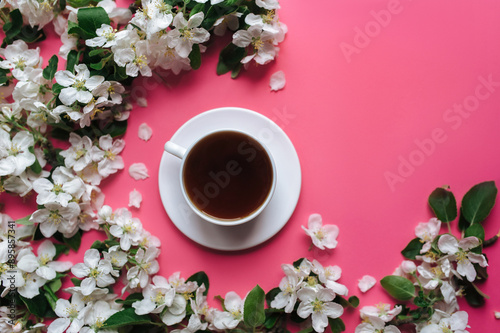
(405, 269)
(431, 275)
(165, 56)
(319, 305)
(43, 264)
(69, 42)
(95, 317)
(106, 37)
(15, 156)
(105, 215)
(38, 13)
(71, 315)
(127, 228)
(138, 171)
(18, 57)
(382, 311)
(64, 187)
(146, 266)
(78, 86)
(323, 236)
(187, 33)
(268, 21)
(39, 115)
(302, 271)
(117, 258)
(212, 2)
(157, 295)
(230, 21)
(111, 90)
(375, 325)
(155, 16)
(456, 323)
(97, 295)
(261, 41)
(112, 161)
(119, 15)
(427, 231)
(176, 312)
(95, 271)
(329, 276)
(56, 217)
(268, 4)
(31, 286)
(229, 319)
(287, 297)
(81, 153)
(460, 251)
(366, 283)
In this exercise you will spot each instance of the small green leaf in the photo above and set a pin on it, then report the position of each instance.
(132, 298)
(96, 52)
(195, 57)
(475, 230)
(126, 317)
(398, 287)
(271, 295)
(253, 309)
(37, 305)
(76, 282)
(443, 204)
(462, 222)
(74, 242)
(229, 58)
(92, 18)
(25, 221)
(115, 128)
(412, 249)
(200, 278)
(336, 325)
(60, 249)
(55, 285)
(51, 69)
(478, 202)
(354, 301)
(72, 60)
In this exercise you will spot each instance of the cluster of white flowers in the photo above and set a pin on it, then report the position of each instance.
(315, 287)
(435, 269)
(262, 36)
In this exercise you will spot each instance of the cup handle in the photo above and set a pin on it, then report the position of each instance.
(175, 149)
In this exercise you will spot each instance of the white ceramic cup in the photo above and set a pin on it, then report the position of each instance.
(183, 153)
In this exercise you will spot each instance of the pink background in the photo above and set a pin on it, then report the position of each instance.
(352, 119)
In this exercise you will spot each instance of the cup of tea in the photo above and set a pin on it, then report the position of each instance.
(227, 176)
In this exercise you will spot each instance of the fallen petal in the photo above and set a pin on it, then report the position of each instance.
(277, 81)
(497, 314)
(145, 132)
(366, 283)
(135, 199)
(142, 102)
(138, 171)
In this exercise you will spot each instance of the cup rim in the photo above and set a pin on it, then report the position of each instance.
(225, 222)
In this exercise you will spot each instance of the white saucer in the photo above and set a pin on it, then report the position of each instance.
(274, 216)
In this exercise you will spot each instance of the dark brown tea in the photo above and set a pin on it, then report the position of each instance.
(228, 175)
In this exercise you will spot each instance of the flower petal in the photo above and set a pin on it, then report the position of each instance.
(135, 199)
(277, 81)
(138, 171)
(366, 283)
(145, 132)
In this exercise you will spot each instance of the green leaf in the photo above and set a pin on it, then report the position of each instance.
(31, 34)
(200, 278)
(398, 287)
(271, 320)
(13, 27)
(90, 19)
(126, 317)
(412, 249)
(55, 285)
(74, 242)
(60, 249)
(78, 3)
(195, 57)
(336, 325)
(478, 202)
(132, 298)
(472, 295)
(25, 220)
(76, 282)
(253, 309)
(37, 305)
(443, 204)
(462, 222)
(72, 60)
(354, 301)
(271, 295)
(50, 295)
(35, 167)
(475, 230)
(229, 58)
(96, 52)
(115, 128)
